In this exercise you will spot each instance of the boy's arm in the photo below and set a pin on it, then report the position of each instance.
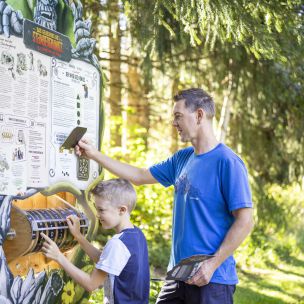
(93, 252)
(74, 226)
(137, 176)
(89, 282)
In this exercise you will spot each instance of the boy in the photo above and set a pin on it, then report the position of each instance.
(122, 267)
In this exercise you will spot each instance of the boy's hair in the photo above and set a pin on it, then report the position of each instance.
(197, 98)
(117, 191)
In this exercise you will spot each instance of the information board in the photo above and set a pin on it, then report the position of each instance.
(42, 99)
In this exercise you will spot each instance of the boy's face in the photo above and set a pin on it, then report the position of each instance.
(108, 215)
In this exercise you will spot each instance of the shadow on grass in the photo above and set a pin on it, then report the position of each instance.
(296, 262)
(247, 296)
(274, 266)
(263, 284)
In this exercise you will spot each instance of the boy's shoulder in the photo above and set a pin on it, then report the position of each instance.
(126, 234)
(131, 237)
(129, 233)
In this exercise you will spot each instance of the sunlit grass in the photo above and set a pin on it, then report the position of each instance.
(278, 284)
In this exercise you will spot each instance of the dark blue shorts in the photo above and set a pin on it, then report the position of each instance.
(174, 292)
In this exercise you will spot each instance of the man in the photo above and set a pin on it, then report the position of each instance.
(212, 202)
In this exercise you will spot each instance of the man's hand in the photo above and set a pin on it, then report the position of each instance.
(86, 149)
(135, 175)
(74, 226)
(50, 249)
(204, 274)
(240, 228)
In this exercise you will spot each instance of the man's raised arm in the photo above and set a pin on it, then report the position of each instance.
(137, 176)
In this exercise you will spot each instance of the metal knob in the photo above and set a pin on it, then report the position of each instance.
(11, 234)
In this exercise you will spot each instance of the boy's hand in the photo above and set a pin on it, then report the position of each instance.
(85, 148)
(50, 249)
(74, 226)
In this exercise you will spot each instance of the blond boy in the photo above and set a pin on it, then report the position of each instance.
(122, 267)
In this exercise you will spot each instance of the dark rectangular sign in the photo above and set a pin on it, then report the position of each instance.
(46, 41)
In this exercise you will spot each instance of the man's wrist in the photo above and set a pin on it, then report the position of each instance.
(95, 155)
(217, 260)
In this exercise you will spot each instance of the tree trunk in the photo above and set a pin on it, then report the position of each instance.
(115, 73)
(174, 134)
(138, 105)
(226, 108)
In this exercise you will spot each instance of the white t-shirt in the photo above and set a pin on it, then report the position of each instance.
(113, 260)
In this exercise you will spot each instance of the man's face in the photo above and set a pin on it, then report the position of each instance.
(107, 213)
(184, 121)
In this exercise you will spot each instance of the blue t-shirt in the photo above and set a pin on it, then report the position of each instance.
(125, 259)
(208, 187)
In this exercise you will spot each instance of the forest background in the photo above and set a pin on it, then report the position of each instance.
(249, 56)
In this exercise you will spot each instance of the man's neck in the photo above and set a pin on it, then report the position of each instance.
(204, 142)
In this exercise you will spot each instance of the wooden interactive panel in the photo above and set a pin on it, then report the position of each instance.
(20, 265)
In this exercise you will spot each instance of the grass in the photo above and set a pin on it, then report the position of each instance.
(280, 283)
(277, 284)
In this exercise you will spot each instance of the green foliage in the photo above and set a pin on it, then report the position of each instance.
(279, 226)
(268, 115)
(153, 216)
(155, 287)
(259, 46)
(255, 25)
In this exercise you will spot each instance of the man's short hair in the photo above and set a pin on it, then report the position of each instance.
(197, 98)
(117, 191)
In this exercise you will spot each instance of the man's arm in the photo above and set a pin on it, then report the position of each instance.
(241, 227)
(138, 176)
(74, 226)
(89, 282)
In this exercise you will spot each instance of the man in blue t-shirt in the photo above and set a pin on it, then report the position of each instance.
(212, 203)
